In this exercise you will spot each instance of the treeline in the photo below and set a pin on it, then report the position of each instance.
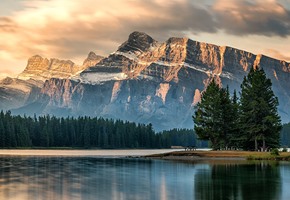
(85, 132)
(182, 137)
(285, 135)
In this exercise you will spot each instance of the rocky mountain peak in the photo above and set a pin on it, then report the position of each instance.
(177, 40)
(35, 57)
(138, 41)
(36, 62)
(6, 81)
(92, 59)
(39, 68)
(92, 55)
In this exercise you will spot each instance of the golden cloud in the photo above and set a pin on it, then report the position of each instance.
(69, 29)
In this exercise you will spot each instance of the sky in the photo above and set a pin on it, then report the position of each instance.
(67, 29)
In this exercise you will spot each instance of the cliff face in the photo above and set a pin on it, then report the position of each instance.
(23, 90)
(15, 93)
(143, 101)
(150, 82)
(39, 68)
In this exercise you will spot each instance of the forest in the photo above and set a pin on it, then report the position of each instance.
(85, 132)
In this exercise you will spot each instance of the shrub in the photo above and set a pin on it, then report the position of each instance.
(275, 152)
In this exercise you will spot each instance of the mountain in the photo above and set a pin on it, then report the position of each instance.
(147, 81)
(14, 92)
(23, 90)
(39, 68)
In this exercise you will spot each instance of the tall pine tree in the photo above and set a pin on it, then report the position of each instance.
(208, 118)
(259, 119)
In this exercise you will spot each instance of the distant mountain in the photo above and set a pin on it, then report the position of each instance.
(14, 92)
(145, 81)
(25, 89)
(39, 68)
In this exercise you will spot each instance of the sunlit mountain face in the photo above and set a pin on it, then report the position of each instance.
(144, 80)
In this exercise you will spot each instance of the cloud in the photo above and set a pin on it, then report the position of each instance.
(63, 28)
(69, 29)
(260, 17)
(277, 54)
(7, 25)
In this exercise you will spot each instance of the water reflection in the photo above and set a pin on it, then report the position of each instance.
(92, 178)
(69, 178)
(256, 180)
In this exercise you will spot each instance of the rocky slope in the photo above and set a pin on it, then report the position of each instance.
(151, 82)
(17, 92)
(39, 68)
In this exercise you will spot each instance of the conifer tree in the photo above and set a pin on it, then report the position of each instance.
(227, 118)
(208, 120)
(235, 129)
(2, 134)
(259, 119)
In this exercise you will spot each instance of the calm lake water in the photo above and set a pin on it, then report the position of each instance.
(69, 178)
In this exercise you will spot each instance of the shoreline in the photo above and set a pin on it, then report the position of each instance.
(84, 152)
(163, 154)
(219, 155)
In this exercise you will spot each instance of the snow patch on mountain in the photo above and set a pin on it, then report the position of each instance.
(98, 78)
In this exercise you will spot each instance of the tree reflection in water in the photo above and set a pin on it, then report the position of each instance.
(256, 180)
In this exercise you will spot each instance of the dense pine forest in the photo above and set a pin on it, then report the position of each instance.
(86, 132)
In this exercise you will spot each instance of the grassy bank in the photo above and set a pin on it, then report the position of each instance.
(247, 155)
(281, 157)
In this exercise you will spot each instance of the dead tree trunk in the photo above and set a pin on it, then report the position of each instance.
(264, 143)
(256, 144)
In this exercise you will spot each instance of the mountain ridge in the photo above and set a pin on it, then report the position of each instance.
(43, 68)
(151, 82)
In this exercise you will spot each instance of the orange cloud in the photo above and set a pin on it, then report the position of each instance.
(69, 29)
(260, 17)
(277, 54)
(63, 28)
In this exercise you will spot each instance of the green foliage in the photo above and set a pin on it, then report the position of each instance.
(181, 137)
(274, 152)
(259, 119)
(251, 123)
(215, 116)
(207, 118)
(85, 132)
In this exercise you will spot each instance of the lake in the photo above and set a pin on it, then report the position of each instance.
(29, 177)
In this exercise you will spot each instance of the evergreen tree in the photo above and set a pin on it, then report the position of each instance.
(86, 135)
(259, 119)
(235, 129)
(2, 134)
(208, 120)
(227, 118)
